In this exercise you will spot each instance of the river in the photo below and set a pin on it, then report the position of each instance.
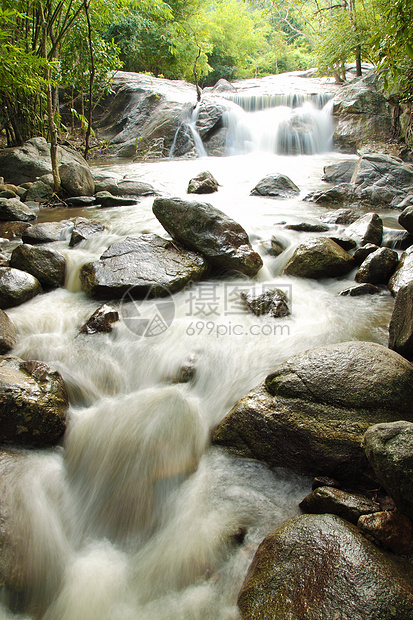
(136, 516)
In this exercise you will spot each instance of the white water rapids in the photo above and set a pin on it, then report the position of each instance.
(136, 516)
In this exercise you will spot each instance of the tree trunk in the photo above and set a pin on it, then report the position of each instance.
(198, 90)
(91, 80)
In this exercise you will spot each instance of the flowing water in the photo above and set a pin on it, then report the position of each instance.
(136, 516)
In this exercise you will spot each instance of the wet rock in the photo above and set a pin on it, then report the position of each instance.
(16, 287)
(397, 239)
(202, 228)
(310, 414)
(318, 567)
(307, 227)
(39, 192)
(106, 199)
(389, 449)
(24, 163)
(146, 265)
(401, 323)
(12, 209)
(324, 481)
(203, 183)
(33, 403)
(390, 529)
(46, 232)
(77, 179)
(209, 118)
(406, 219)
(339, 194)
(185, 373)
(404, 272)
(361, 254)
(132, 187)
(45, 264)
(348, 506)
(273, 302)
(275, 186)
(378, 267)
(319, 258)
(8, 333)
(277, 247)
(361, 289)
(80, 201)
(367, 229)
(83, 229)
(383, 171)
(340, 216)
(340, 172)
(8, 194)
(13, 230)
(100, 321)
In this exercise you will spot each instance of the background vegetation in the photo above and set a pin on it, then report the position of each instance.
(78, 44)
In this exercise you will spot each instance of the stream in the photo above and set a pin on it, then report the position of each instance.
(136, 516)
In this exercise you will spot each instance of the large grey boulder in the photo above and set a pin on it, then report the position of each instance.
(33, 403)
(319, 567)
(406, 219)
(12, 209)
(383, 171)
(45, 264)
(83, 229)
(46, 232)
(145, 265)
(401, 323)
(404, 272)
(319, 258)
(275, 186)
(203, 183)
(76, 179)
(378, 267)
(202, 228)
(16, 287)
(389, 449)
(367, 229)
(341, 172)
(24, 163)
(310, 414)
(122, 187)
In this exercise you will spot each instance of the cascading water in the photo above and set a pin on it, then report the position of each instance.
(136, 516)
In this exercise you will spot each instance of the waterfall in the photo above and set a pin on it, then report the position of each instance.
(188, 124)
(284, 130)
(251, 102)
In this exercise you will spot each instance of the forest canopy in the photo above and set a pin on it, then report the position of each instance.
(77, 45)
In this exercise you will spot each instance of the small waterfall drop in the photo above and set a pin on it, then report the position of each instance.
(188, 125)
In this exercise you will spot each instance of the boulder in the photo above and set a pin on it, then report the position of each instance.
(380, 170)
(401, 323)
(378, 267)
(106, 199)
(388, 528)
(273, 302)
(80, 201)
(83, 229)
(367, 229)
(339, 194)
(308, 227)
(100, 321)
(404, 272)
(275, 186)
(360, 290)
(24, 163)
(389, 449)
(397, 239)
(277, 247)
(361, 253)
(203, 228)
(406, 219)
(203, 183)
(311, 413)
(33, 403)
(39, 192)
(45, 264)
(348, 506)
(344, 242)
(320, 567)
(46, 232)
(8, 333)
(16, 287)
(341, 172)
(319, 258)
(13, 230)
(209, 119)
(132, 187)
(12, 209)
(340, 216)
(146, 265)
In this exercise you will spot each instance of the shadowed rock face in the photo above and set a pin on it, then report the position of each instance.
(311, 413)
(311, 566)
(147, 264)
(203, 228)
(45, 264)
